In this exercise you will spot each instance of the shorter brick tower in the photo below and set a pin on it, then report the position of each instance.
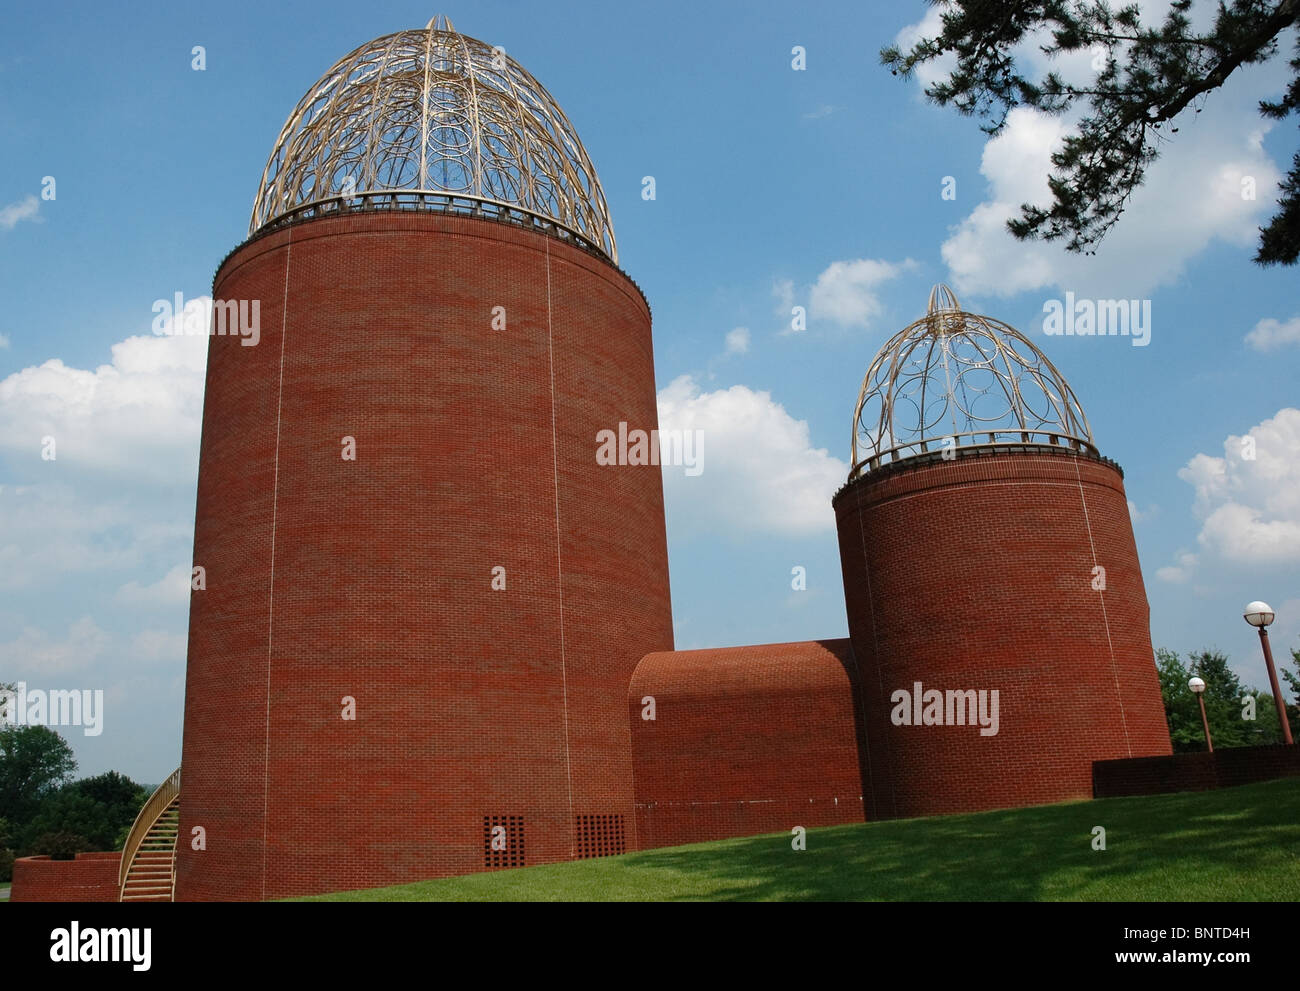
(995, 600)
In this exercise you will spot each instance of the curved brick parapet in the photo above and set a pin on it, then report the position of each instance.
(91, 877)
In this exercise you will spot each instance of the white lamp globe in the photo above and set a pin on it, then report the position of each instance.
(1259, 613)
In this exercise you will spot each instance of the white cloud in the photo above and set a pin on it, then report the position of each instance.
(1286, 630)
(1136, 515)
(102, 529)
(738, 340)
(4, 342)
(761, 473)
(118, 497)
(159, 645)
(140, 415)
(1270, 334)
(825, 110)
(845, 292)
(172, 589)
(1250, 507)
(54, 532)
(783, 293)
(1192, 195)
(1181, 571)
(35, 652)
(24, 209)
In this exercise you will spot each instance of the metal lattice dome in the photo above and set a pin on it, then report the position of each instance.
(433, 119)
(959, 380)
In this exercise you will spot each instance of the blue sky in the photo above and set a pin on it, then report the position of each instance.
(774, 187)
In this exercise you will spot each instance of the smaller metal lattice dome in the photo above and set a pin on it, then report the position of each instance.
(432, 119)
(959, 380)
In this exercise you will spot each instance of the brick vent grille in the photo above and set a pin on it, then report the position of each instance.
(514, 854)
(600, 836)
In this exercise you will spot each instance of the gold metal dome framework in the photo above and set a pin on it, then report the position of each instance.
(432, 119)
(960, 380)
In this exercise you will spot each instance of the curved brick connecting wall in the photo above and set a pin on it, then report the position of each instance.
(475, 449)
(745, 740)
(976, 574)
(92, 877)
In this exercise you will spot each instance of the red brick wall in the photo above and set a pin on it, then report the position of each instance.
(92, 877)
(471, 702)
(976, 574)
(745, 740)
(1224, 768)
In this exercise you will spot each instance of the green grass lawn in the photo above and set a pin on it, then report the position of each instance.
(1238, 844)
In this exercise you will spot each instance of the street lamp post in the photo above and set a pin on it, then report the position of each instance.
(1198, 689)
(1259, 615)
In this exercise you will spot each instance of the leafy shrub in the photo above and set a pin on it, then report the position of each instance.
(61, 845)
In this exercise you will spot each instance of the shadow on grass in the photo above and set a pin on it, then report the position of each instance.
(1235, 843)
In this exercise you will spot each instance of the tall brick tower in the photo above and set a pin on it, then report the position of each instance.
(986, 546)
(424, 598)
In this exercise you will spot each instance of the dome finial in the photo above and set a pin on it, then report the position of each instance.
(440, 22)
(942, 298)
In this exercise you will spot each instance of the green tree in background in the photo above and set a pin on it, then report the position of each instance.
(99, 810)
(34, 762)
(1292, 681)
(46, 813)
(1223, 694)
(1181, 711)
(1225, 703)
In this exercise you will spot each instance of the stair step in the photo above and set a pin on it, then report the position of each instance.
(151, 874)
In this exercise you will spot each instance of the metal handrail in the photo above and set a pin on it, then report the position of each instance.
(156, 805)
(966, 440)
(433, 200)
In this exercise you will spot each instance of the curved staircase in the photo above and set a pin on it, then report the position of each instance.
(148, 872)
